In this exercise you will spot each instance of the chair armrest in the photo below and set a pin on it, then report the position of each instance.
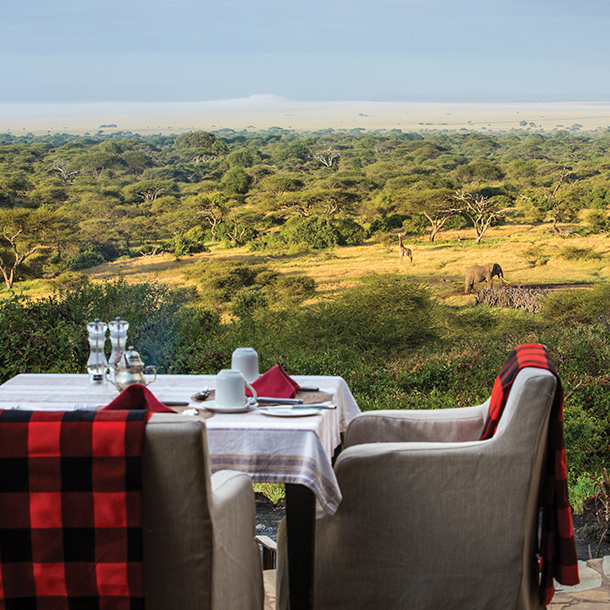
(397, 426)
(237, 578)
(269, 551)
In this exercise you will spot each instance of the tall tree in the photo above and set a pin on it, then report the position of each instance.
(200, 146)
(436, 205)
(480, 209)
(25, 232)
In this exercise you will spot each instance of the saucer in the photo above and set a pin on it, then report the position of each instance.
(211, 406)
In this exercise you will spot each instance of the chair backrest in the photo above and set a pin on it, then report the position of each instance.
(176, 513)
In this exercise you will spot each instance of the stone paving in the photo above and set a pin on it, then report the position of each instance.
(269, 580)
(593, 592)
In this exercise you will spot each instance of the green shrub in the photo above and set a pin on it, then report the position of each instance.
(247, 301)
(577, 305)
(222, 283)
(84, 260)
(387, 223)
(41, 337)
(190, 242)
(597, 220)
(382, 313)
(583, 488)
(315, 231)
(416, 225)
(573, 253)
(350, 232)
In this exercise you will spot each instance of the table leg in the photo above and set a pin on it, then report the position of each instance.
(300, 530)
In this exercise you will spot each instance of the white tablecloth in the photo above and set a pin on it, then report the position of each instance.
(271, 449)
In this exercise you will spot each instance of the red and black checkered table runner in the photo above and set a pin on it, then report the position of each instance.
(557, 548)
(71, 510)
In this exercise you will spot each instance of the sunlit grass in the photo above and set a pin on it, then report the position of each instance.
(442, 263)
(274, 491)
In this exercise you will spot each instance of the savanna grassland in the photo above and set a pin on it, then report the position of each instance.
(288, 242)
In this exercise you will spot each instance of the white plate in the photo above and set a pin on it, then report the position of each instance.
(211, 406)
(288, 412)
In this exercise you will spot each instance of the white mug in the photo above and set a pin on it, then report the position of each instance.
(231, 390)
(245, 359)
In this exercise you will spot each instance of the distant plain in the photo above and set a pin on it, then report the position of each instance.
(263, 112)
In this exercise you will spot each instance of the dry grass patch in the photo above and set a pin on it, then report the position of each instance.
(528, 254)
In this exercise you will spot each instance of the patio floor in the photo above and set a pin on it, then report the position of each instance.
(593, 592)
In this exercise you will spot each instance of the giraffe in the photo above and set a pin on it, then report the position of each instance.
(403, 250)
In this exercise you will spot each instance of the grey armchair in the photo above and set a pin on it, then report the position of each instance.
(199, 547)
(431, 516)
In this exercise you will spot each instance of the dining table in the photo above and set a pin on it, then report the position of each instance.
(280, 444)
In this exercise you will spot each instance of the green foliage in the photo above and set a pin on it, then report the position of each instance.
(316, 231)
(583, 488)
(580, 306)
(236, 181)
(84, 260)
(222, 283)
(387, 223)
(40, 337)
(248, 301)
(191, 242)
(573, 253)
(597, 220)
(383, 313)
(350, 232)
(415, 225)
(395, 346)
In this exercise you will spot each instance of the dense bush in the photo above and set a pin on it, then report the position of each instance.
(577, 305)
(394, 345)
(383, 313)
(315, 231)
(350, 232)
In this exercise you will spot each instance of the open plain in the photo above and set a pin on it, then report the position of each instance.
(259, 113)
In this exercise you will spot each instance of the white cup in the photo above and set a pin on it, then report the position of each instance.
(245, 359)
(231, 390)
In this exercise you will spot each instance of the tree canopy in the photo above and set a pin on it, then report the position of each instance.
(120, 194)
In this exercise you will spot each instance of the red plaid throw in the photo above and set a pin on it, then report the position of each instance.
(70, 510)
(558, 550)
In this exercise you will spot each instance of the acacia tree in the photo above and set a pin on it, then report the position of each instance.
(327, 157)
(480, 209)
(25, 232)
(200, 146)
(557, 206)
(214, 207)
(436, 205)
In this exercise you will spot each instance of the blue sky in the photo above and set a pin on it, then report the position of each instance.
(312, 50)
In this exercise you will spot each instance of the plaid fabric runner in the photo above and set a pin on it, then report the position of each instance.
(558, 550)
(70, 510)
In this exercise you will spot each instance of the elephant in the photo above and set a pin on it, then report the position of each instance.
(482, 273)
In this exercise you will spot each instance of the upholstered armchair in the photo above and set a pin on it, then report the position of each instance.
(432, 517)
(199, 547)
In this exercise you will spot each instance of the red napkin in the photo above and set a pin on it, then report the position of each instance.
(137, 396)
(276, 383)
